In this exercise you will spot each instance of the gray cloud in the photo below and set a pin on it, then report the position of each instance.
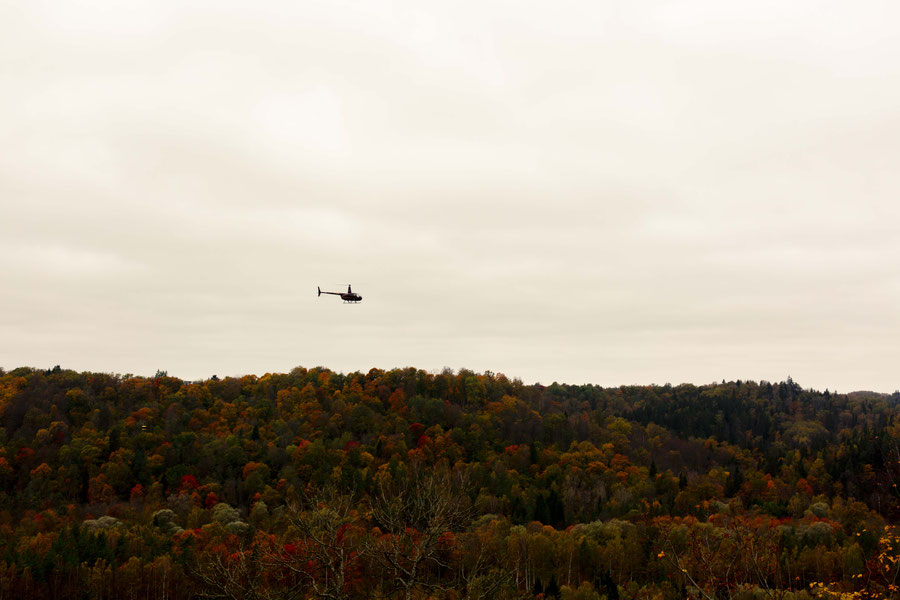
(607, 192)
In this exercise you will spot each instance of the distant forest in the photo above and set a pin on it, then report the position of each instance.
(459, 485)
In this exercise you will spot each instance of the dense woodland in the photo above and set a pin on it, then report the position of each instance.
(408, 484)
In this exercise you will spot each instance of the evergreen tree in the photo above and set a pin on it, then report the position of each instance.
(607, 585)
(552, 589)
(541, 514)
(734, 482)
(556, 510)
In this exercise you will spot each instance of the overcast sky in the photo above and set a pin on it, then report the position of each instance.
(610, 192)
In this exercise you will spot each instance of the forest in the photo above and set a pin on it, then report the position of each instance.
(407, 484)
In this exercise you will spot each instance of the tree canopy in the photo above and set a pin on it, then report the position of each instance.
(408, 484)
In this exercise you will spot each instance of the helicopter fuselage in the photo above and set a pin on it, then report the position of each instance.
(349, 296)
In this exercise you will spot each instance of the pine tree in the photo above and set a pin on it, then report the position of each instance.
(552, 589)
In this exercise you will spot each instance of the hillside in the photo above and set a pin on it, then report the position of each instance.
(406, 484)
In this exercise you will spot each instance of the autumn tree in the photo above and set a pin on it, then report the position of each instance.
(416, 520)
(235, 573)
(320, 552)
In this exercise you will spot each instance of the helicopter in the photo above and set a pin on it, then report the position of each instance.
(349, 298)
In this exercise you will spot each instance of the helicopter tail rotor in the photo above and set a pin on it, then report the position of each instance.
(320, 290)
